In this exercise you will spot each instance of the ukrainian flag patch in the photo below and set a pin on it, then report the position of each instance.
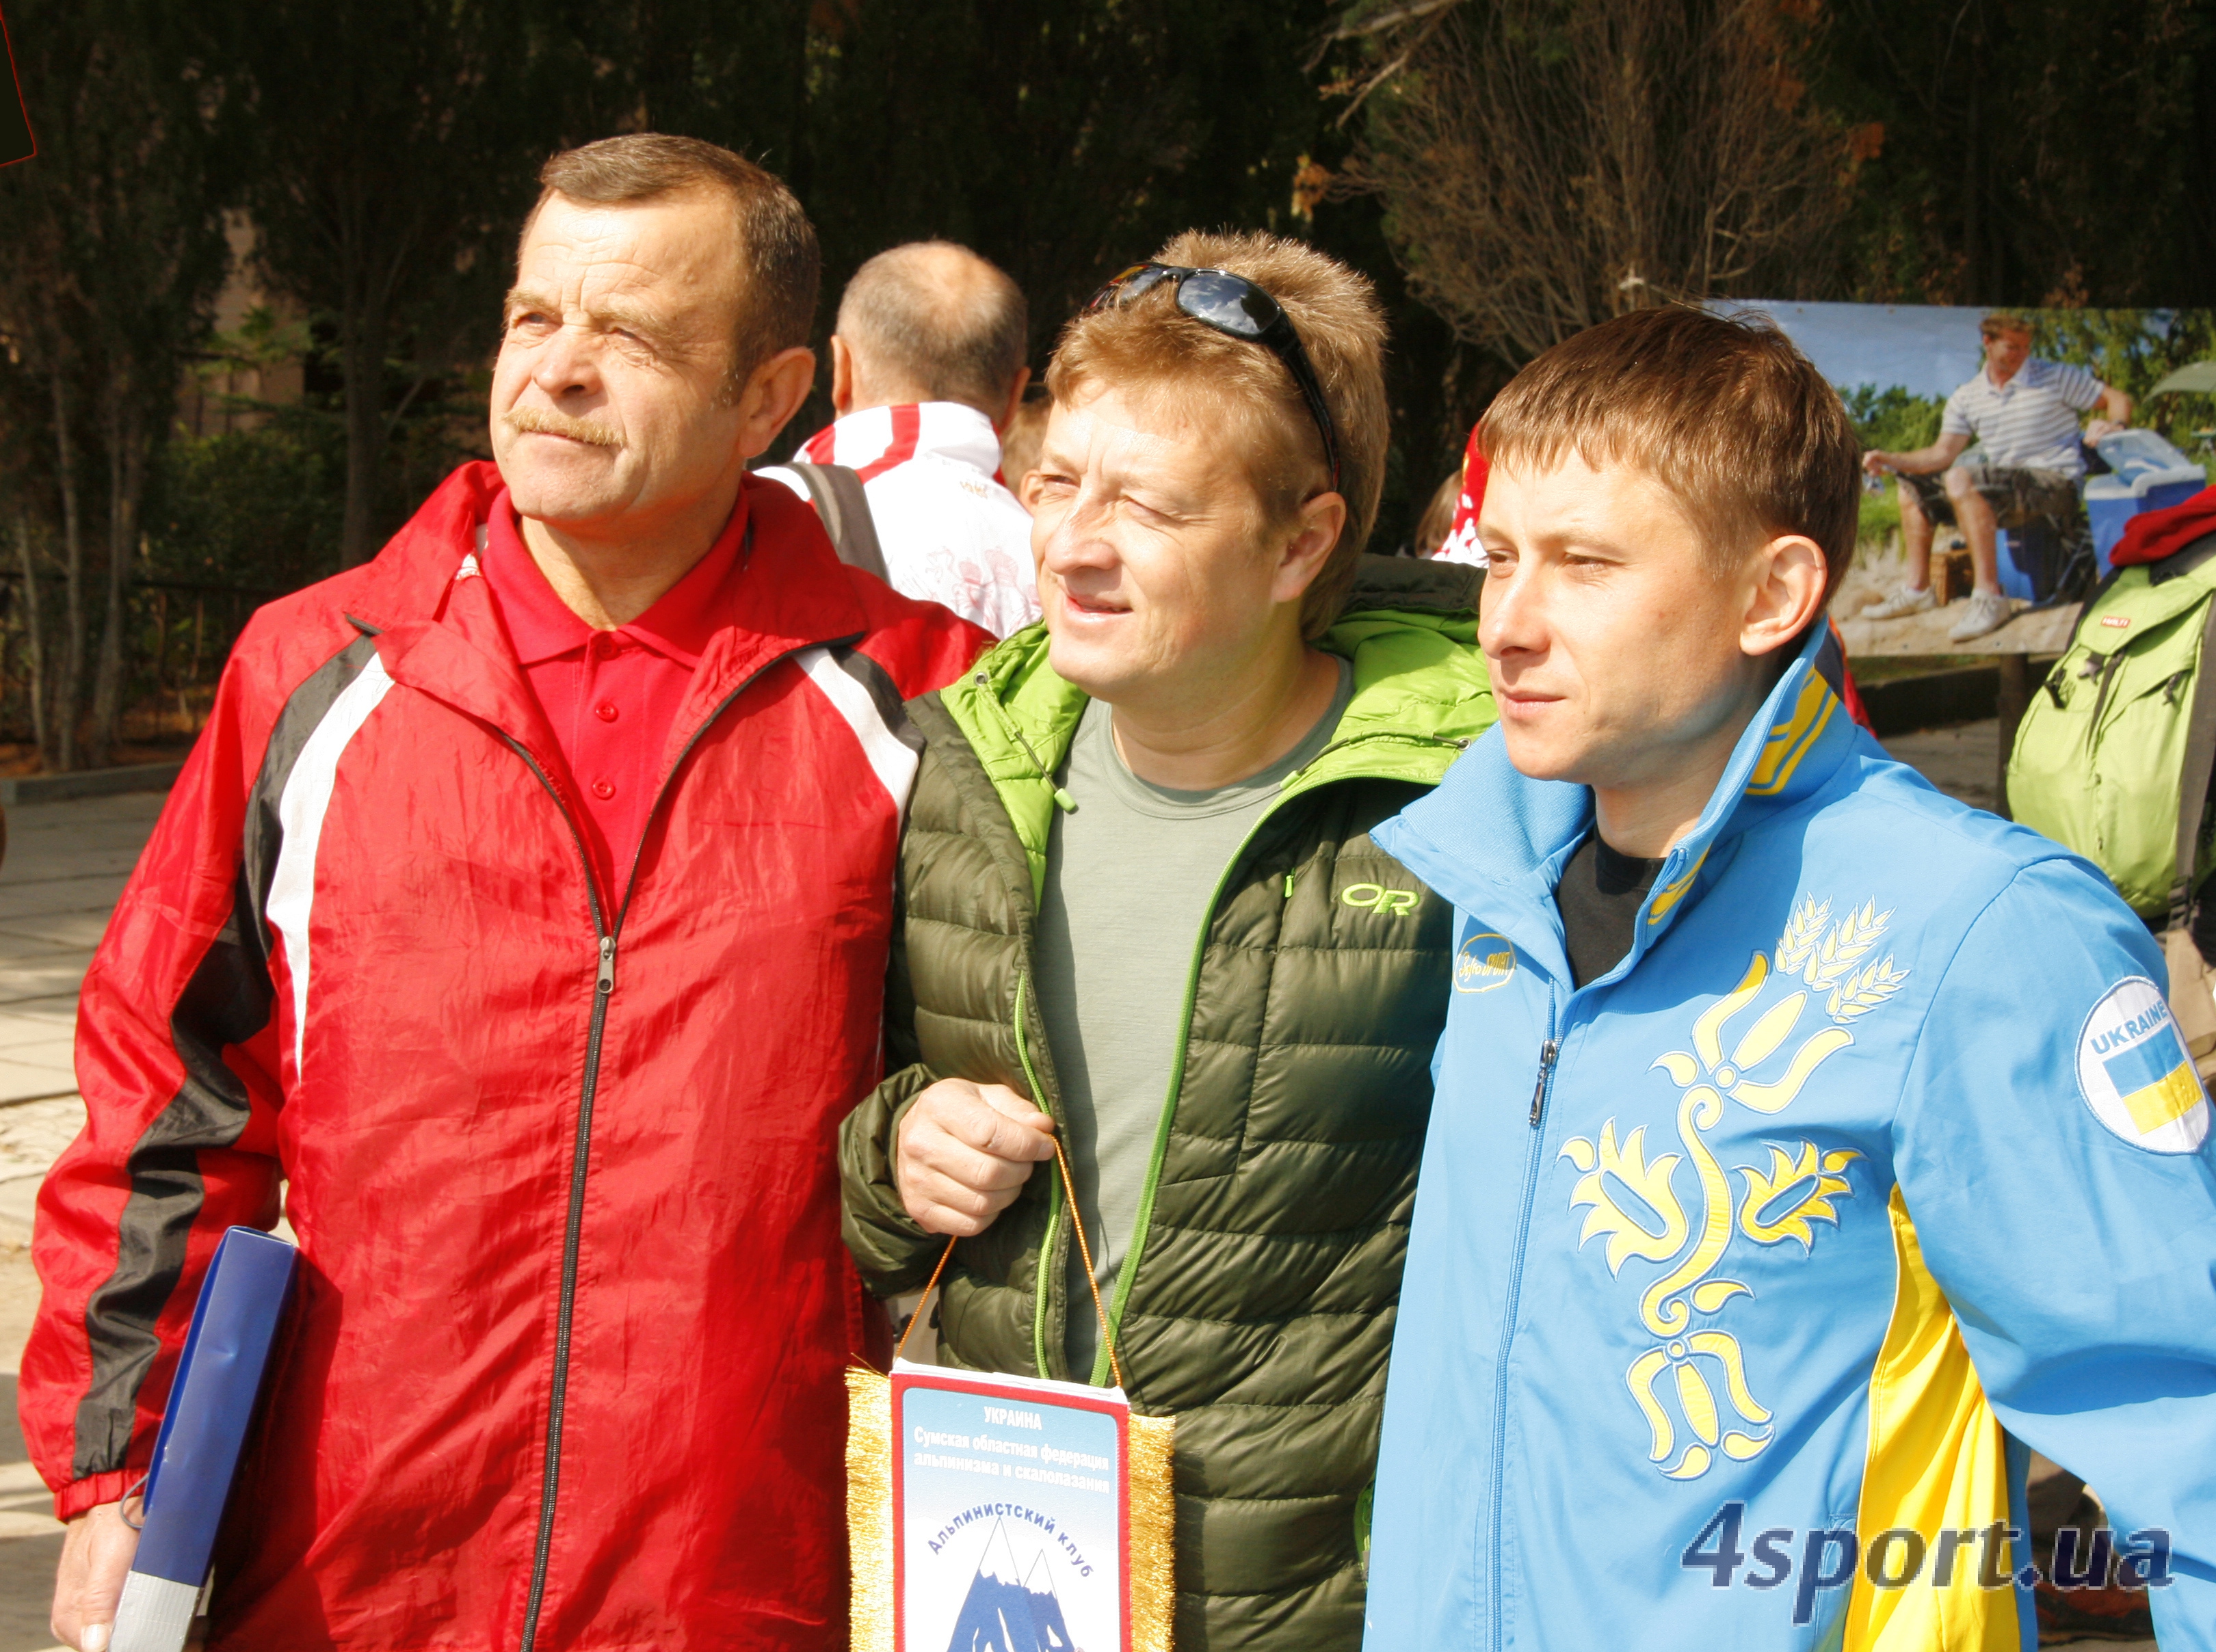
(2135, 1073)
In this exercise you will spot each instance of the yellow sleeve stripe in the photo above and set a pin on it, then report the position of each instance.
(1935, 1463)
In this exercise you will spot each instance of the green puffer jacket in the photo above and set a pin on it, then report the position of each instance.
(1256, 1300)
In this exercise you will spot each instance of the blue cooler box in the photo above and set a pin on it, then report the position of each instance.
(2147, 474)
(2013, 584)
(2016, 582)
(2111, 502)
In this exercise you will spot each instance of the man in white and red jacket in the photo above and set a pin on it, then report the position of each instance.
(523, 913)
(927, 370)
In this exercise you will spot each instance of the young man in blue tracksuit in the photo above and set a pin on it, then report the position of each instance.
(1797, 1129)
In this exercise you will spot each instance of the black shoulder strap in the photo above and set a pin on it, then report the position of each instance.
(2199, 761)
(844, 511)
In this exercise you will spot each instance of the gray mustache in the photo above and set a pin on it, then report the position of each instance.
(544, 422)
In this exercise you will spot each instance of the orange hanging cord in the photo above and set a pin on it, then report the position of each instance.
(908, 1330)
(1084, 1251)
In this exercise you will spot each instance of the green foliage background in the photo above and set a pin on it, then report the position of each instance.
(2030, 152)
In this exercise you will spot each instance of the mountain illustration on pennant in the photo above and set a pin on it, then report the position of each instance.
(1007, 1610)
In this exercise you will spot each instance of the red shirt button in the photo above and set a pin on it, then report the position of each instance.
(604, 789)
(604, 711)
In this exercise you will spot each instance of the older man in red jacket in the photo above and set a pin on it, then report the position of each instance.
(523, 911)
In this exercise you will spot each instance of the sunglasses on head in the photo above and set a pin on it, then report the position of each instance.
(1234, 306)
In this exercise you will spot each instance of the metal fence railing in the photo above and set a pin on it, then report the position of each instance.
(177, 635)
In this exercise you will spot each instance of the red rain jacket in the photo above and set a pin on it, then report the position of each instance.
(565, 1373)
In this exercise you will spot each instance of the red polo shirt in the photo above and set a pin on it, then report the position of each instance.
(612, 698)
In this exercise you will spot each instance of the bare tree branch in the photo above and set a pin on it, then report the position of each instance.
(1547, 163)
(1378, 23)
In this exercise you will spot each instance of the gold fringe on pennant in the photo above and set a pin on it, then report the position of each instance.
(1152, 1509)
(870, 1507)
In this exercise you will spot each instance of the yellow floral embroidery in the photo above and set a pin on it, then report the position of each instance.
(1628, 1235)
(1708, 1405)
(1810, 1177)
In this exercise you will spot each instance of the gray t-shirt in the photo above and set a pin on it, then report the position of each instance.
(1117, 937)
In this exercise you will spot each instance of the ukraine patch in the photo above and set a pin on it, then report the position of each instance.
(2135, 1073)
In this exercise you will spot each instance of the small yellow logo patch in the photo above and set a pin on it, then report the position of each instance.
(1483, 963)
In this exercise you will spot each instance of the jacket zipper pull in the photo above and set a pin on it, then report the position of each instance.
(605, 981)
(1546, 1071)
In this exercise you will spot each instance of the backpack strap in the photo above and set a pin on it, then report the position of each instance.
(2200, 763)
(843, 509)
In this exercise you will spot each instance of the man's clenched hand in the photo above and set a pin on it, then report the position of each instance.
(965, 1151)
(96, 1555)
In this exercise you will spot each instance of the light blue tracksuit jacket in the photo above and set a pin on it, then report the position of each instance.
(1737, 1260)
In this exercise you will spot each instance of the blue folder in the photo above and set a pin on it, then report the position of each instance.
(212, 1404)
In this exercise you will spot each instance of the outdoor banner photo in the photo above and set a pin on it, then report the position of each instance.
(1896, 365)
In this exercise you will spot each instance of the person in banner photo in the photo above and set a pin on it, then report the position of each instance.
(522, 913)
(1143, 910)
(2022, 411)
(1798, 1130)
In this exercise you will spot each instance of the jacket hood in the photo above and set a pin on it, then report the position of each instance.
(1493, 840)
(1421, 695)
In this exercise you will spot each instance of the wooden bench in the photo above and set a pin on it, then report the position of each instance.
(2041, 631)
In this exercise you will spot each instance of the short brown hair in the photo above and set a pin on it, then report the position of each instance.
(941, 317)
(1721, 410)
(1150, 342)
(779, 266)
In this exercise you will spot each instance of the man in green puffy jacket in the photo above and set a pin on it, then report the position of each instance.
(1142, 914)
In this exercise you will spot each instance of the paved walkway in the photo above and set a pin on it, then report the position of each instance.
(66, 863)
(65, 866)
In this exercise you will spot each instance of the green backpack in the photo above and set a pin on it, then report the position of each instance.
(2108, 753)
